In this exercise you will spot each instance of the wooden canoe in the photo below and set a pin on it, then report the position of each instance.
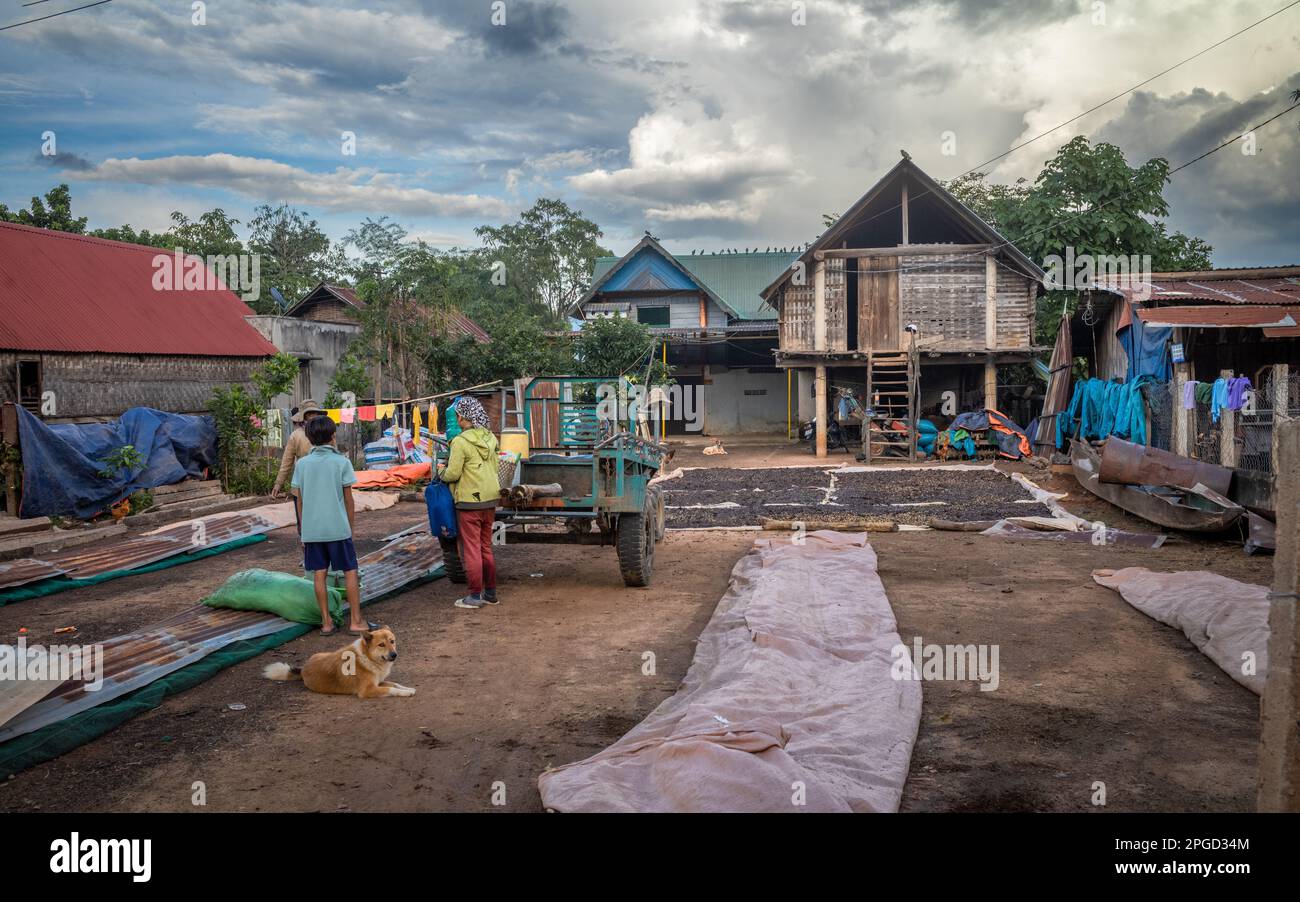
(1197, 509)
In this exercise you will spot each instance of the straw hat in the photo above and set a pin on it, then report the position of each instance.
(306, 407)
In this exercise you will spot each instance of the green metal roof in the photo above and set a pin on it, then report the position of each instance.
(736, 278)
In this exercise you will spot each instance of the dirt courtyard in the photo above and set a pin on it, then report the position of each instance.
(1091, 689)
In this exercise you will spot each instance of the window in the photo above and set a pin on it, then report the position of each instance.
(652, 316)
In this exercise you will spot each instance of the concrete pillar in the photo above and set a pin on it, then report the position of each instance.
(1227, 431)
(822, 413)
(1279, 741)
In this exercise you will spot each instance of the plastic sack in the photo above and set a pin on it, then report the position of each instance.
(291, 597)
(442, 509)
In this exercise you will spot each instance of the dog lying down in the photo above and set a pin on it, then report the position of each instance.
(360, 669)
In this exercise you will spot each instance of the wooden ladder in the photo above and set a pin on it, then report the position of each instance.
(892, 393)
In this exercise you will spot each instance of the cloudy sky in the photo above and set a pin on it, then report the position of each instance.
(712, 123)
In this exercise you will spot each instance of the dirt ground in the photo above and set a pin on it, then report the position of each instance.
(1091, 690)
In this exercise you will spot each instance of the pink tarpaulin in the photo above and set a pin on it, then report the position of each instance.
(1224, 618)
(789, 705)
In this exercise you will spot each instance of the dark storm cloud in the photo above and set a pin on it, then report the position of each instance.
(65, 160)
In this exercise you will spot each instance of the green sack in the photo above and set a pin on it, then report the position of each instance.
(292, 597)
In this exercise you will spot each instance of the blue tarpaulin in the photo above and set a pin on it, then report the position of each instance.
(62, 463)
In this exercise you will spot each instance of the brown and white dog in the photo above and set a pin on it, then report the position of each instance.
(360, 669)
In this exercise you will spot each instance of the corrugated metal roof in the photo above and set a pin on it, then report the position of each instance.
(64, 292)
(1218, 316)
(137, 659)
(738, 279)
(1265, 290)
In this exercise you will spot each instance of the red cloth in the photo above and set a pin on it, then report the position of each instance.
(393, 477)
(366, 414)
(475, 544)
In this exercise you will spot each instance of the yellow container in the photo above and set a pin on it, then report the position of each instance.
(515, 438)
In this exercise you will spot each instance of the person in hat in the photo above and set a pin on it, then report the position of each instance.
(471, 472)
(298, 446)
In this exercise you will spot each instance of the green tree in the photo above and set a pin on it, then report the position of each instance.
(55, 212)
(1087, 198)
(295, 254)
(211, 235)
(550, 251)
(349, 376)
(615, 346)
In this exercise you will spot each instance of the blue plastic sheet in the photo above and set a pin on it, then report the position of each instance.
(62, 463)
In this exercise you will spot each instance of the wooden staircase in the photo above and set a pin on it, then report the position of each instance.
(892, 393)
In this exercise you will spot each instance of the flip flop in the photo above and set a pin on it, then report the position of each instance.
(370, 626)
(329, 632)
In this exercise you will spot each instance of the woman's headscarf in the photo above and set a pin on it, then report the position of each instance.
(470, 413)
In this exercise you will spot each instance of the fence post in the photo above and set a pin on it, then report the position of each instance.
(1227, 430)
(1281, 403)
(1184, 420)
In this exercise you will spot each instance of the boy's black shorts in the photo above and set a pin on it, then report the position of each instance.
(340, 556)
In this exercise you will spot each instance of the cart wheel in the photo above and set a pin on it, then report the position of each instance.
(660, 514)
(636, 546)
(451, 562)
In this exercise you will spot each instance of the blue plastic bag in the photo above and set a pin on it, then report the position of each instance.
(442, 509)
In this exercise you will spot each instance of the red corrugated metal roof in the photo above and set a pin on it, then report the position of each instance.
(64, 292)
(1214, 316)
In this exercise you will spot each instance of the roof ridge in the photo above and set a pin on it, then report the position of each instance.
(90, 239)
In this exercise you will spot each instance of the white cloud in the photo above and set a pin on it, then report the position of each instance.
(263, 180)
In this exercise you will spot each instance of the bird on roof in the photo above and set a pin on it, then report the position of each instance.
(906, 155)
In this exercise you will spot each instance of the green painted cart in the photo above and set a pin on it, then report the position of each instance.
(589, 452)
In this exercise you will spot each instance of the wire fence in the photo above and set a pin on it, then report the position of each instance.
(1254, 431)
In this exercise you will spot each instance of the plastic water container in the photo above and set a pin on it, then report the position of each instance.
(515, 438)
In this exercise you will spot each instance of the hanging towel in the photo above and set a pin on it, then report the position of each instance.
(366, 414)
(1189, 394)
(1218, 398)
(335, 414)
(348, 415)
(384, 411)
(1237, 389)
(415, 424)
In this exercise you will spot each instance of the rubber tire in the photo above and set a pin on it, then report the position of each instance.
(660, 513)
(451, 562)
(636, 548)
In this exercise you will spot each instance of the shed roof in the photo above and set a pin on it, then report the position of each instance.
(1266, 285)
(73, 293)
(458, 322)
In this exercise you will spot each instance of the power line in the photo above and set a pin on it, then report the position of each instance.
(1140, 84)
(87, 6)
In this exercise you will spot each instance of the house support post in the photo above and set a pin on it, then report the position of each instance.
(1281, 404)
(990, 331)
(819, 346)
(1279, 740)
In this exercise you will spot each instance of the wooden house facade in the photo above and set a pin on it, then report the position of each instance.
(911, 299)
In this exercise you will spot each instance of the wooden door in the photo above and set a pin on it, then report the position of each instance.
(878, 304)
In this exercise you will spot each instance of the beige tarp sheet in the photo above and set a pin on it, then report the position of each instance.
(790, 695)
(1224, 618)
(281, 513)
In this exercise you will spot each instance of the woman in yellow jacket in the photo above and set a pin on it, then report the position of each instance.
(471, 472)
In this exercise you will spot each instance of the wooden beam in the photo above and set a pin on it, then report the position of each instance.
(990, 302)
(990, 383)
(819, 344)
(905, 215)
(821, 411)
(1279, 740)
(917, 249)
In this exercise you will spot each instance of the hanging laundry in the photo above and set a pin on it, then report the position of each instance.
(366, 414)
(385, 411)
(335, 414)
(348, 414)
(415, 423)
(1189, 394)
(1219, 398)
(1237, 391)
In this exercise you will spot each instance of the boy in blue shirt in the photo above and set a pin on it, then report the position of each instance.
(322, 484)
